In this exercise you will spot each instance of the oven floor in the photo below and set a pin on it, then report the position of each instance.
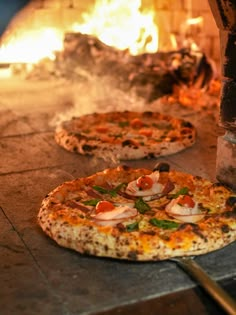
(39, 277)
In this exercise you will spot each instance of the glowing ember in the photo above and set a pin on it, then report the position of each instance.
(194, 97)
(120, 24)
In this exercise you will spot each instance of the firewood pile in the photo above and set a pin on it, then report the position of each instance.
(149, 75)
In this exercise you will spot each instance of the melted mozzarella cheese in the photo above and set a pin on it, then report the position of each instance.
(134, 190)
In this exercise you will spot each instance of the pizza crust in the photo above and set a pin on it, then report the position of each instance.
(124, 142)
(73, 229)
(104, 242)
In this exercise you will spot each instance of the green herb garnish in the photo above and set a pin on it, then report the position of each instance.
(101, 189)
(141, 205)
(112, 192)
(182, 191)
(117, 135)
(162, 125)
(164, 224)
(123, 123)
(91, 202)
(132, 227)
(118, 187)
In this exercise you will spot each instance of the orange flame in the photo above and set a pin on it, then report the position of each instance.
(119, 23)
(31, 47)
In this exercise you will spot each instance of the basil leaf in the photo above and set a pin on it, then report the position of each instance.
(182, 191)
(117, 135)
(112, 192)
(132, 227)
(141, 205)
(118, 187)
(164, 224)
(104, 190)
(100, 189)
(123, 123)
(91, 202)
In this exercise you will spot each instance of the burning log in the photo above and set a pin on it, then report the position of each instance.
(150, 75)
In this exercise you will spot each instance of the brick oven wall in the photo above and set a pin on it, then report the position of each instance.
(175, 13)
(170, 17)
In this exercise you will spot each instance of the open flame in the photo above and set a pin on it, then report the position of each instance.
(32, 46)
(119, 23)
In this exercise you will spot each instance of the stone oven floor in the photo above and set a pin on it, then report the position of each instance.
(39, 277)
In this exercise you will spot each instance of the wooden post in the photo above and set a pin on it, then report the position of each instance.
(224, 12)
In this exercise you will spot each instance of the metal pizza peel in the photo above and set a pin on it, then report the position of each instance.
(217, 292)
(192, 268)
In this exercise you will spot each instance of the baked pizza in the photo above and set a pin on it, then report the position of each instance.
(126, 135)
(140, 214)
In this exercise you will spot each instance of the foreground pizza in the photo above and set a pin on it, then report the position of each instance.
(126, 135)
(139, 214)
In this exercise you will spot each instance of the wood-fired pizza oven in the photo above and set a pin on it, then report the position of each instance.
(174, 30)
(38, 91)
(177, 21)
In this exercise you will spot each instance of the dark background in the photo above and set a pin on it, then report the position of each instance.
(8, 9)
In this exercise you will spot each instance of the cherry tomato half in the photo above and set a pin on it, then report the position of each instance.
(146, 132)
(144, 182)
(136, 123)
(102, 129)
(186, 201)
(104, 206)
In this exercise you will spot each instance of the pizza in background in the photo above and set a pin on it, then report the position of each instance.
(126, 135)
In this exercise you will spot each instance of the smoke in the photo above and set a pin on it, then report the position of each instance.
(96, 95)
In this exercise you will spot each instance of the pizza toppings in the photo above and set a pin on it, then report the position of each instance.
(128, 135)
(168, 187)
(104, 206)
(102, 129)
(95, 215)
(186, 201)
(164, 224)
(141, 205)
(182, 191)
(146, 185)
(76, 205)
(132, 227)
(93, 192)
(151, 186)
(185, 209)
(144, 182)
(136, 123)
(146, 132)
(108, 190)
(107, 213)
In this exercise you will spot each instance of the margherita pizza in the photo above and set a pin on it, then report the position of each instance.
(140, 214)
(126, 135)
